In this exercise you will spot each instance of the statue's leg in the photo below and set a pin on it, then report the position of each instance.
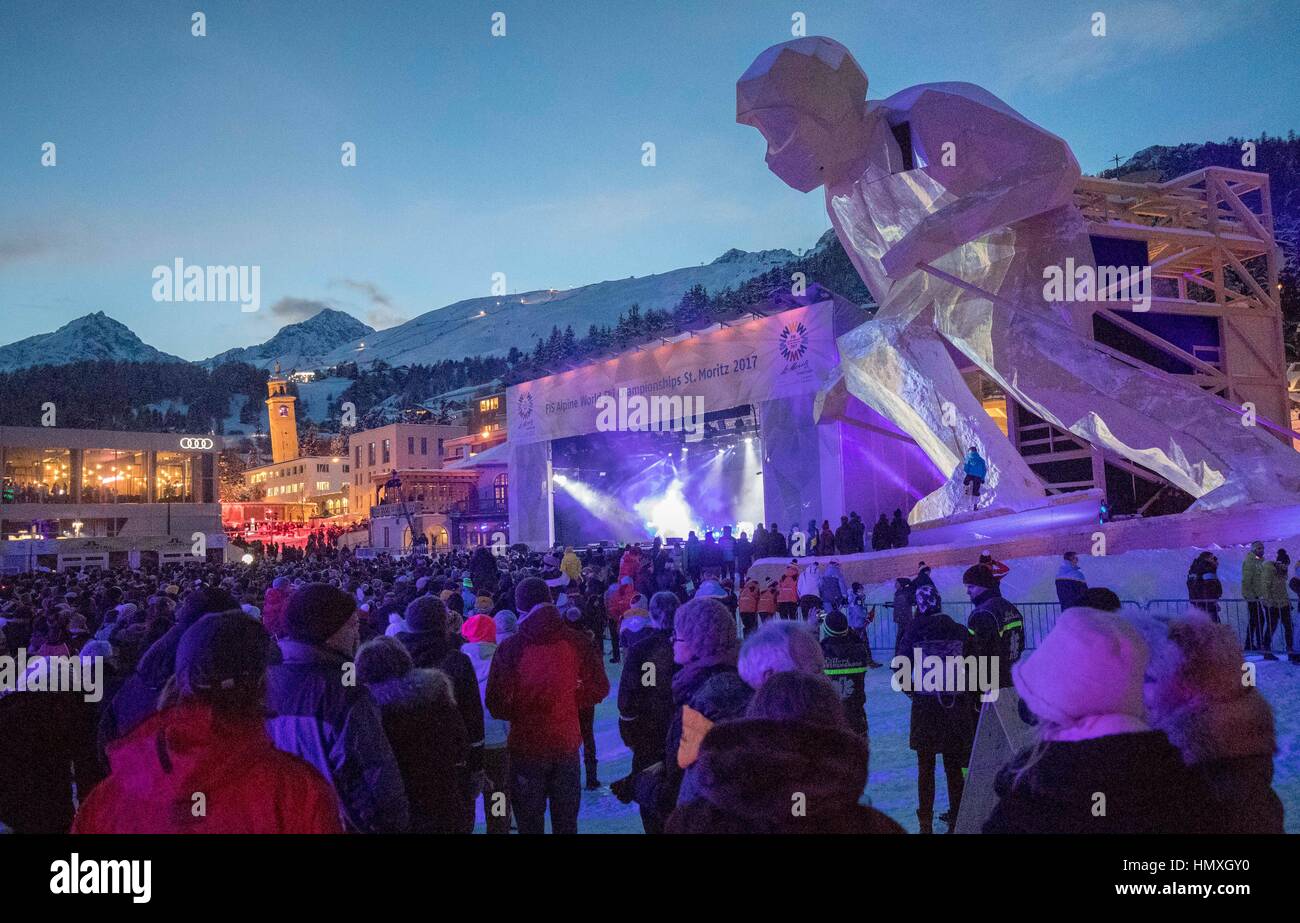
(1149, 417)
(901, 368)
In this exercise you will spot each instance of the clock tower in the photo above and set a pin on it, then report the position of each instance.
(283, 422)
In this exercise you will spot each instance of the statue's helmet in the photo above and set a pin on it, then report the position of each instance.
(799, 94)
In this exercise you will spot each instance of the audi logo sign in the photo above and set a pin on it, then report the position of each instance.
(196, 442)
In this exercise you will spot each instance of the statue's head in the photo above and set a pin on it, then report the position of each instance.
(801, 95)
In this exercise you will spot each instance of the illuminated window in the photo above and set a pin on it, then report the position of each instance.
(38, 475)
(174, 475)
(114, 476)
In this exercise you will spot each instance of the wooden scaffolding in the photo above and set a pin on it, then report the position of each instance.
(1211, 255)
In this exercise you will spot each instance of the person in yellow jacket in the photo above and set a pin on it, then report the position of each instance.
(570, 566)
(1255, 578)
(1278, 601)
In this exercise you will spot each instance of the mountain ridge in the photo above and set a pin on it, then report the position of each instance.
(92, 336)
(301, 345)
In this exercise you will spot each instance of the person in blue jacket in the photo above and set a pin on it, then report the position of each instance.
(976, 469)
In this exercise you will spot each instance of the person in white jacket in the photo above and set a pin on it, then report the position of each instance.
(809, 585)
(480, 634)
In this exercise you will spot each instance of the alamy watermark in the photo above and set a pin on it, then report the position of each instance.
(931, 673)
(1088, 283)
(178, 282)
(53, 673)
(657, 413)
(76, 875)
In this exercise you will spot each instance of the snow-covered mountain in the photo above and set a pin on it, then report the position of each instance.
(477, 326)
(95, 336)
(491, 325)
(299, 346)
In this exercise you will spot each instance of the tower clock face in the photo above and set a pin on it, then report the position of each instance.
(284, 410)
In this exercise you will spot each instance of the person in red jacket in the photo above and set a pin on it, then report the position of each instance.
(205, 763)
(273, 606)
(630, 564)
(540, 677)
(616, 605)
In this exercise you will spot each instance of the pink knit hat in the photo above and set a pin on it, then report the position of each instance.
(479, 628)
(1090, 663)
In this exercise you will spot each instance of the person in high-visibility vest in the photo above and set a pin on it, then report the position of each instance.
(847, 660)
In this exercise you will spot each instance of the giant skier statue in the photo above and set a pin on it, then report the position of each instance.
(951, 205)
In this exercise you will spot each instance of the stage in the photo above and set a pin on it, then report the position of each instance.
(734, 435)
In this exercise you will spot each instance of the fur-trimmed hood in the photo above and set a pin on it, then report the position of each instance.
(1196, 696)
(419, 687)
(1209, 731)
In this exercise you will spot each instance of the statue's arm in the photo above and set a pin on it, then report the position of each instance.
(1000, 167)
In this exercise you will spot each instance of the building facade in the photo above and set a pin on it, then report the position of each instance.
(127, 490)
(317, 483)
(374, 454)
(482, 450)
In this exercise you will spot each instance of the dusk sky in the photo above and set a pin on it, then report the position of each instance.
(519, 154)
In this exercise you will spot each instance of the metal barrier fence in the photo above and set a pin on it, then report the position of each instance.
(1040, 617)
(1234, 612)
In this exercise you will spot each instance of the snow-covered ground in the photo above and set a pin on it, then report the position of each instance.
(891, 786)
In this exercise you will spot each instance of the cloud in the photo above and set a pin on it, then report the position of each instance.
(17, 248)
(383, 313)
(369, 289)
(293, 310)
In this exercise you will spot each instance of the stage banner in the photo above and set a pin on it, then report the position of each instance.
(743, 363)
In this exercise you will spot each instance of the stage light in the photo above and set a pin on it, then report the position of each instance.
(247, 558)
(600, 504)
(668, 515)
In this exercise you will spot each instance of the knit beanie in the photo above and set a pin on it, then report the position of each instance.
(836, 622)
(316, 611)
(531, 592)
(1090, 663)
(981, 575)
(479, 628)
(507, 623)
(220, 653)
(426, 613)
